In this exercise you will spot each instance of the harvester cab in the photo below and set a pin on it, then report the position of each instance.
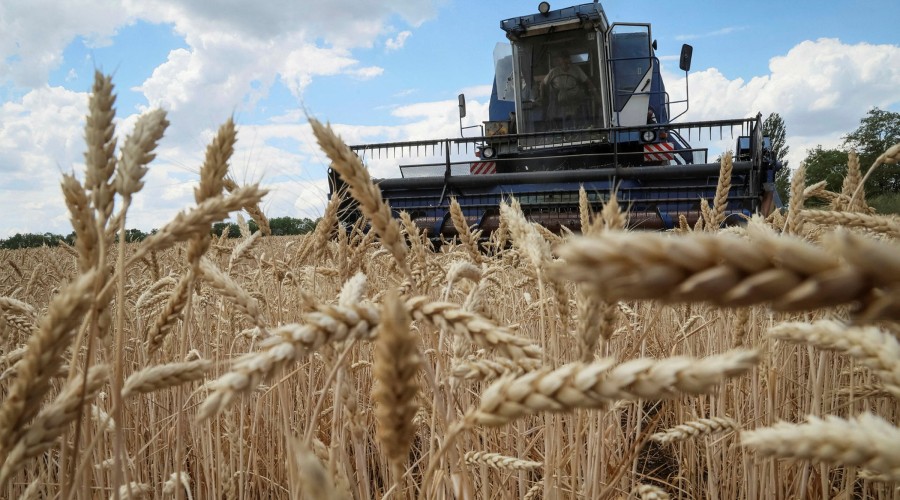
(576, 101)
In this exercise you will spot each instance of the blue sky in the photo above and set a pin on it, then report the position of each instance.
(378, 71)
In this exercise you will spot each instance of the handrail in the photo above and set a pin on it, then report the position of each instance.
(538, 141)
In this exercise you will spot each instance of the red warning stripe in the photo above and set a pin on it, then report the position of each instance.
(658, 151)
(482, 167)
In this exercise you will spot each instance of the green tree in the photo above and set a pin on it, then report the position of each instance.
(829, 165)
(775, 130)
(30, 240)
(877, 131)
(233, 230)
(289, 225)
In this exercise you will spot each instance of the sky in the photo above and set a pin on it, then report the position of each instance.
(378, 71)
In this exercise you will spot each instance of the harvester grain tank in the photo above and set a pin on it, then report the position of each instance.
(576, 101)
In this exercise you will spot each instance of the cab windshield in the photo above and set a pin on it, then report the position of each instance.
(558, 79)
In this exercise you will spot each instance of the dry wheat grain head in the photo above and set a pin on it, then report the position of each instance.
(601, 383)
(870, 346)
(695, 428)
(396, 365)
(363, 190)
(498, 461)
(866, 440)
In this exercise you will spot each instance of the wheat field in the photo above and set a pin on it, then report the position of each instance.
(757, 361)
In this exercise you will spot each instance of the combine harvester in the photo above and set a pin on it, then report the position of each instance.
(576, 102)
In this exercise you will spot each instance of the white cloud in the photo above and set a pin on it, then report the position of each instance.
(719, 32)
(398, 41)
(820, 88)
(33, 34)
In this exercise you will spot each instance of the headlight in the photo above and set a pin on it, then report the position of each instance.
(544, 8)
(648, 136)
(488, 152)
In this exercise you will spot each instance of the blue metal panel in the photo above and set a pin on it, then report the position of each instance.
(518, 25)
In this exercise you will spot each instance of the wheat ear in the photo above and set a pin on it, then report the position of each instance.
(788, 272)
(43, 357)
(481, 369)
(165, 321)
(695, 428)
(468, 240)
(285, 344)
(650, 492)
(99, 134)
(477, 329)
(396, 365)
(866, 440)
(793, 224)
(598, 384)
(498, 461)
(178, 479)
(137, 152)
(83, 222)
(187, 224)
(19, 315)
(723, 187)
(870, 346)
(851, 182)
(585, 214)
(876, 223)
(363, 190)
(229, 289)
(164, 376)
(310, 475)
(252, 209)
(53, 420)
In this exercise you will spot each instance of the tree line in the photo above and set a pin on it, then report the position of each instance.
(877, 131)
(281, 226)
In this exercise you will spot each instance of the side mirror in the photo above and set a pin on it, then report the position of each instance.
(462, 106)
(685, 61)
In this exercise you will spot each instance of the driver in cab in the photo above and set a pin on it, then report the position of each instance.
(563, 87)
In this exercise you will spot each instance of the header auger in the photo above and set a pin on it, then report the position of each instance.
(576, 101)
